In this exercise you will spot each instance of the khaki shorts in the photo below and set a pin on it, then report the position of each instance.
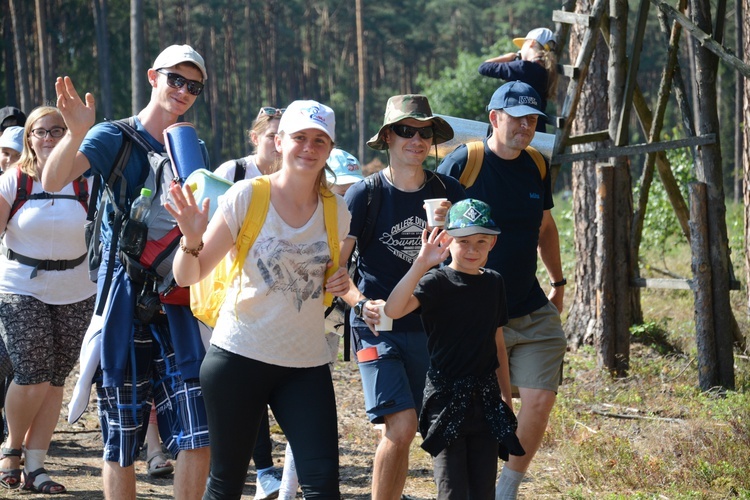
(536, 346)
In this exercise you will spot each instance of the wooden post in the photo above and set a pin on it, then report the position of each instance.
(627, 298)
(605, 335)
(708, 376)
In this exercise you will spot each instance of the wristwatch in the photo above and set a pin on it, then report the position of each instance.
(560, 283)
(360, 307)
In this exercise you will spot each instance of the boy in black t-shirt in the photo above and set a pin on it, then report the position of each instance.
(467, 418)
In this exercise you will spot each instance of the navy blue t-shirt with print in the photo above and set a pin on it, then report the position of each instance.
(396, 239)
(518, 197)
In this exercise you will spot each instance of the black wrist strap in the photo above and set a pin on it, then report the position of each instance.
(560, 283)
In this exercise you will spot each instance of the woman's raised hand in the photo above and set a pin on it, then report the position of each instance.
(79, 116)
(191, 218)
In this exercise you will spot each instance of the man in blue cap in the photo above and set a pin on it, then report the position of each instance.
(520, 194)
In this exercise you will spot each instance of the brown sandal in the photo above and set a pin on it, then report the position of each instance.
(10, 478)
(48, 487)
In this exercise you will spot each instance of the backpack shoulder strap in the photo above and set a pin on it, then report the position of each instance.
(240, 169)
(127, 127)
(24, 185)
(539, 160)
(254, 219)
(474, 161)
(81, 188)
(373, 183)
(330, 213)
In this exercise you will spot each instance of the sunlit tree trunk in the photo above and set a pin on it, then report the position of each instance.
(591, 116)
(361, 120)
(24, 81)
(104, 100)
(746, 153)
(11, 97)
(137, 69)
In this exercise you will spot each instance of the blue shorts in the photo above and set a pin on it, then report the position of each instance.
(393, 379)
(124, 411)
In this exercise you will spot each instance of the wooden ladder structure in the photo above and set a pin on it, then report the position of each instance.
(712, 336)
(652, 123)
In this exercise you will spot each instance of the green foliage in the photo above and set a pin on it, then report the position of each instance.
(460, 91)
(661, 230)
(654, 334)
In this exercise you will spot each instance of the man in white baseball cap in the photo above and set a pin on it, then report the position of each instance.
(178, 54)
(128, 363)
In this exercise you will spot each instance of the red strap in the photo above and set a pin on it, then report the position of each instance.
(23, 189)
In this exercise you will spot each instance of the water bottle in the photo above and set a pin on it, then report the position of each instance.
(135, 231)
(141, 207)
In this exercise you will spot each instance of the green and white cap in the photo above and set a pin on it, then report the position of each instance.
(470, 216)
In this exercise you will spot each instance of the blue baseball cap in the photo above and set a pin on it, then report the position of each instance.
(345, 167)
(12, 138)
(517, 99)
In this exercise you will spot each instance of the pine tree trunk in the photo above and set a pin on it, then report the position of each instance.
(137, 69)
(591, 116)
(24, 81)
(104, 100)
(745, 120)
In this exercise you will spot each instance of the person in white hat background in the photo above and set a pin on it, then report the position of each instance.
(11, 147)
(134, 355)
(535, 63)
(271, 328)
(345, 170)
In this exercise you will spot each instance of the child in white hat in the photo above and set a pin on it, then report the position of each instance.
(11, 147)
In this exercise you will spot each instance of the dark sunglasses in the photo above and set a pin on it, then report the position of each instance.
(177, 82)
(408, 132)
(270, 111)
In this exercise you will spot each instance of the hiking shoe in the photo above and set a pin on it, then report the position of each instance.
(268, 484)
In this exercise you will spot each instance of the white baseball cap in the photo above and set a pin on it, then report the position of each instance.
(177, 54)
(544, 36)
(12, 138)
(301, 115)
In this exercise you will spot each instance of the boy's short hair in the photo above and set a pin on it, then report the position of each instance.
(470, 216)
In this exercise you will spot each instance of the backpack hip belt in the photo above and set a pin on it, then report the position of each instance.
(44, 265)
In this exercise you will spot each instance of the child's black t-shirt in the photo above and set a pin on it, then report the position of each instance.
(461, 314)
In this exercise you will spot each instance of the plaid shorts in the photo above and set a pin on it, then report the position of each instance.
(124, 411)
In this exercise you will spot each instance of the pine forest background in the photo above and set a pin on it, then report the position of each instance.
(270, 52)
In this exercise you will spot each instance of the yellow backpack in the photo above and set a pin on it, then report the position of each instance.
(208, 295)
(476, 157)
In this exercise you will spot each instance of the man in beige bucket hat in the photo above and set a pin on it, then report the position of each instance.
(387, 222)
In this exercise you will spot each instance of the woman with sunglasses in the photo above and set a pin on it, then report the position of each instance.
(534, 64)
(264, 159)
(268, 346)
(46, 300)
